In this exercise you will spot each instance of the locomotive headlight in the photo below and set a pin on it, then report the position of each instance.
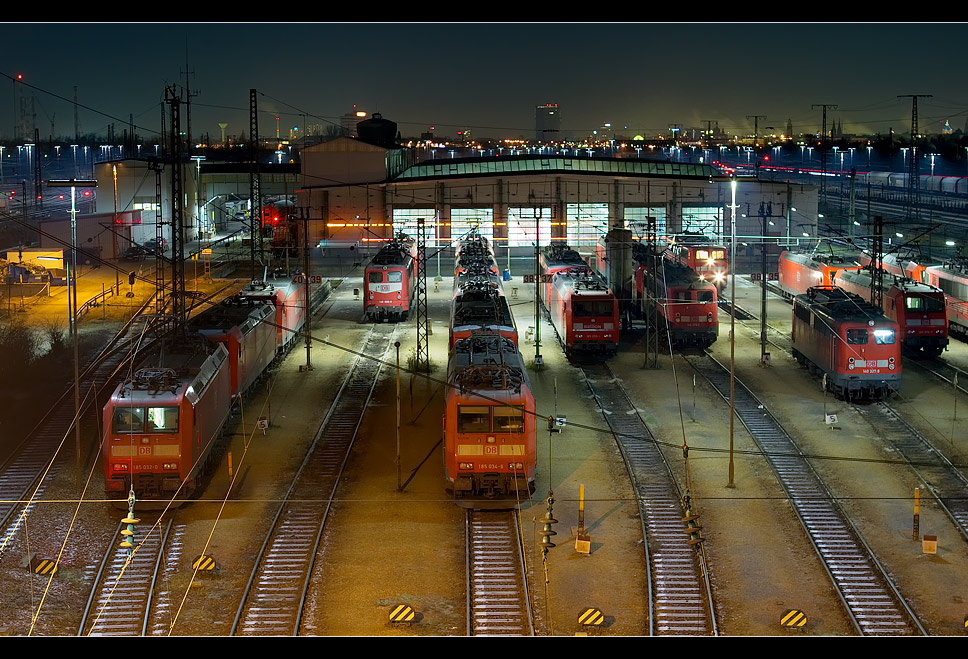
(884, 335)
(891, 366)
(465, 465)
(719, 276)
(519, 466)
(850, 366)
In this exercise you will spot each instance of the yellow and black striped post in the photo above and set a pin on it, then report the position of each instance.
(917, 526)
(591, 617)
(402, 613)
(205, 563)
(794, 618)
(43, 566)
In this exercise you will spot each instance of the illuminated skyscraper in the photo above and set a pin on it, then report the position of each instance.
(547, 123)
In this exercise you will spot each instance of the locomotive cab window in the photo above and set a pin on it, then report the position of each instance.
(883, 336)
(128, 420)
(375, 277)
(473, 418)
(395, 276)
(590, 309)
(704, 296)
(857, 337)
(925, 304)
(163, 419)
(508, 419)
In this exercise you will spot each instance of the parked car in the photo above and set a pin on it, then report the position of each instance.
(156, 244)
(135, 253)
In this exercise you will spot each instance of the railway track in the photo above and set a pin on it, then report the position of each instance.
(872, 601)
(273, 599)
(121, 600)
(498, 603)
(23, 475)
(40, 455)
(678, 583)
(943, 479)
(946, 482)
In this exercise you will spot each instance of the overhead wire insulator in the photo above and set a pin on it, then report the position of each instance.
(547, 531)
(127, 533)
(693, 529)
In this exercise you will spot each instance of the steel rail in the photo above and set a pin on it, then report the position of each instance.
(498, 603)
(680, 595)
(868, 594)
(274, 596)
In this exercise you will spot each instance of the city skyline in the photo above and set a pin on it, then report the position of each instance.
(641, 78)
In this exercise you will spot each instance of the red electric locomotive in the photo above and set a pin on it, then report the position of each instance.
(584, 313)
(850, 341)
(899, 266)
(799, 272)
(558, 258)
(247, 329)
(474, 251)
(478, 302)
(952, 278)
(918, 309)
(709, 260)
(389, 280)
(687, 307)
(287, 295)
(489, 420)
(161, 424)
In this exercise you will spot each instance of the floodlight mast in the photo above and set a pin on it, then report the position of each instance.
(73, 184)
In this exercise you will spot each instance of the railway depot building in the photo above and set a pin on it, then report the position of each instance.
(357, 194)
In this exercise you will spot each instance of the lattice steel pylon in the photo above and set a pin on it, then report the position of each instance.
(914, 176)
(649, 309)
(422, 358)
(178, 305)
(877, 274)
(161, 267)
(255, 185)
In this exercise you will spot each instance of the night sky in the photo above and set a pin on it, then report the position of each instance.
(487, 77)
